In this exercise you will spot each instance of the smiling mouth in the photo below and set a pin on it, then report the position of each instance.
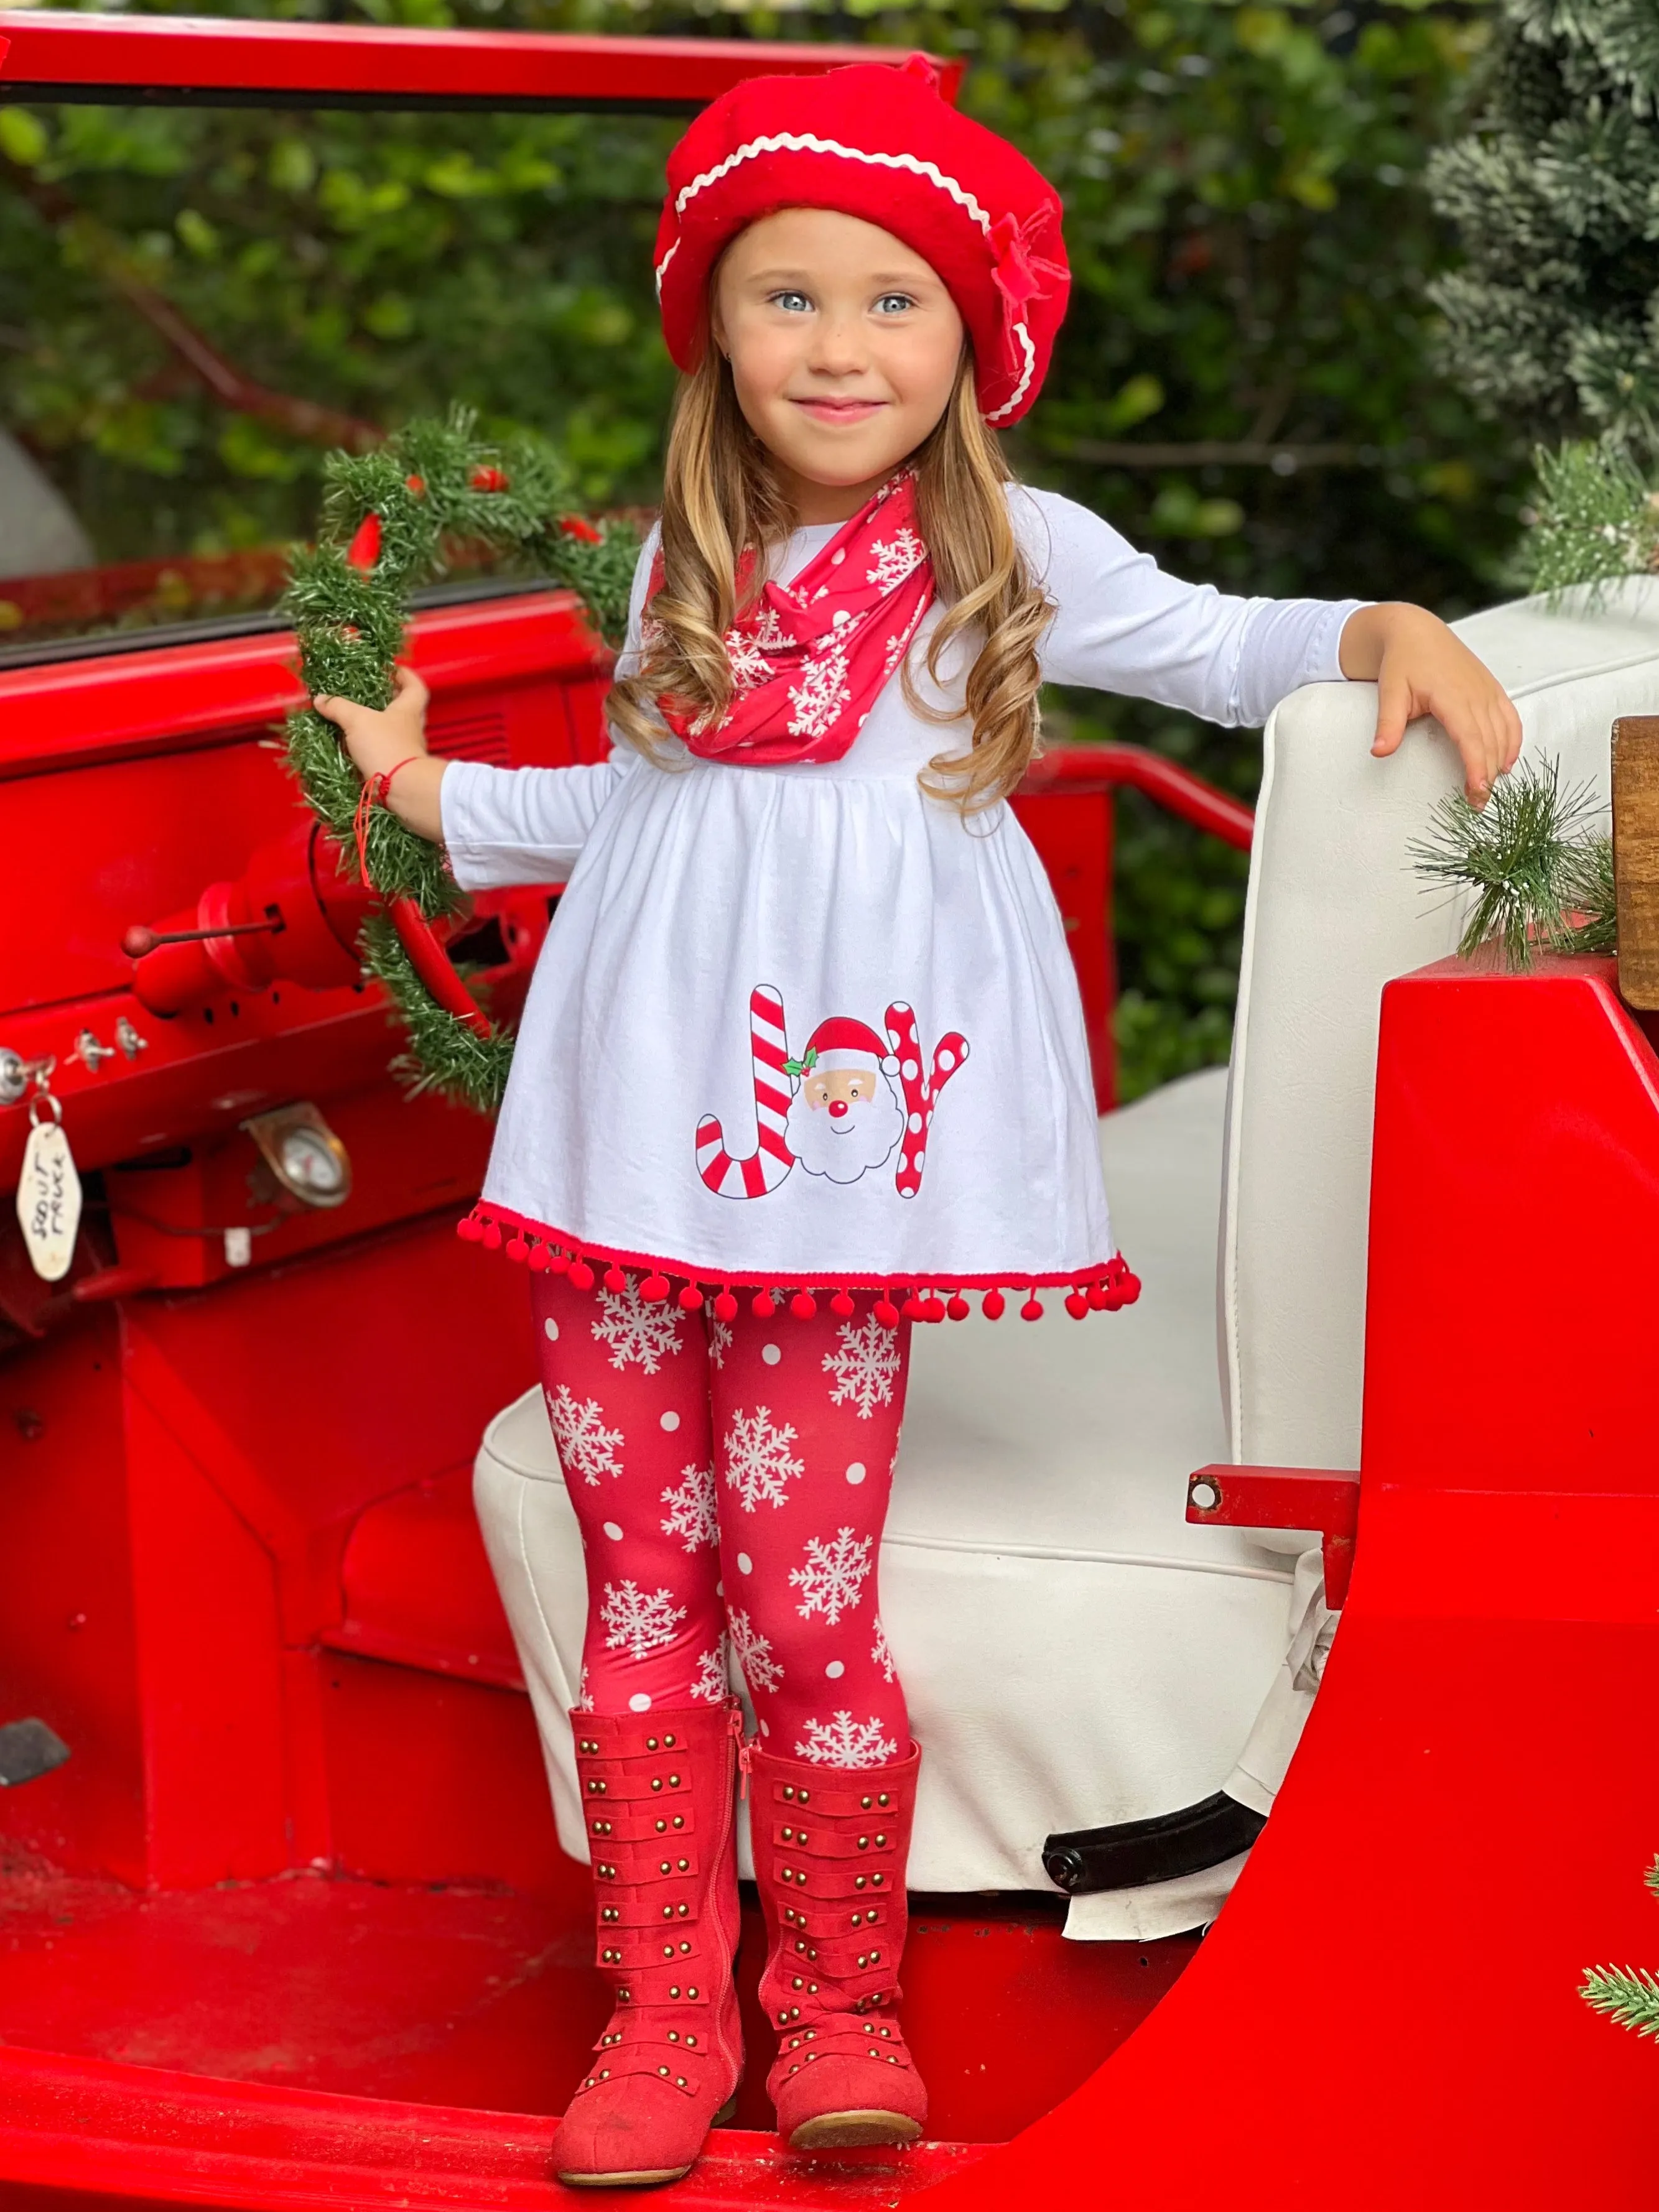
(840, 410)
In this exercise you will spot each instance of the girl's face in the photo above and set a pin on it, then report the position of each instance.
(844, 347)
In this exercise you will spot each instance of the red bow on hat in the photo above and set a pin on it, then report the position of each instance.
(1017, 271)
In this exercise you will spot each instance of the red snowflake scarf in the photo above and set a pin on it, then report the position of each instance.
(808, 658)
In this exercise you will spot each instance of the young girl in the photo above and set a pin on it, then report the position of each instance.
(804, 1061)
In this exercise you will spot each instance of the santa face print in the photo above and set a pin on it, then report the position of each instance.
(844, 1119)
(852, 1099)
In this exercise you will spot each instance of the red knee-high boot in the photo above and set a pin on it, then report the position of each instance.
(830, 1847)
(658, 1796)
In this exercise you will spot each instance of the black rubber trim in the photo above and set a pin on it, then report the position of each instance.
(1084, 1860)
(301, 100)
(98, 645)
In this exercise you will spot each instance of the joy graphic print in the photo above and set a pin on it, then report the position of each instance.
(850, 1103)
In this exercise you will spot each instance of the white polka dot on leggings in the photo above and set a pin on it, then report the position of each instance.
(772, 1354)
(550, 1329)
(613, 1530)
(857, 1471)
(835, 1670)
(640, 1702)
(671, 1420)
(764, 1730)
(745, 1563)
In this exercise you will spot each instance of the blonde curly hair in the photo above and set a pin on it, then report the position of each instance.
(720, 495)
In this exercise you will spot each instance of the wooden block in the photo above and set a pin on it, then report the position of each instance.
(1636, 855)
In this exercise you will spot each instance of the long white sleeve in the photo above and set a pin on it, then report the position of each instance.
(520, 825)
(1122, 625)
(527, 825)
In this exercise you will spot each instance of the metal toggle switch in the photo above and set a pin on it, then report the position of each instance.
(91, 1055)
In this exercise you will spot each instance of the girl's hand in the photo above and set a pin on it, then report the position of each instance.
(1420, 668)
(378, 739)
(395, 737)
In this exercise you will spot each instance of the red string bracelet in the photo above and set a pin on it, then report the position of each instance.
(373, 792)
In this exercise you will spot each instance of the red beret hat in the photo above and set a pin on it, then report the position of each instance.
(878, 141)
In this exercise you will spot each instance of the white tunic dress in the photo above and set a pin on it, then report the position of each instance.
(717, 917)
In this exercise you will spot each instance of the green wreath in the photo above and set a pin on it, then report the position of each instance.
(391, 522)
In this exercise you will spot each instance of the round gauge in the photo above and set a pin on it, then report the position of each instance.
(310, 1163)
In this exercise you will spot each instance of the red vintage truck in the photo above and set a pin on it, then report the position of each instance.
(291, 1925)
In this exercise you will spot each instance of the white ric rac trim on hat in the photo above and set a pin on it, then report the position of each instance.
(807, 141)
(1030, 352)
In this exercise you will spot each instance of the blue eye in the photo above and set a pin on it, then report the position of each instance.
(792, 303)
(894, 303)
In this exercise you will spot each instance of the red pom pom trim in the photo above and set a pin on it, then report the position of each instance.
(1101, 1290)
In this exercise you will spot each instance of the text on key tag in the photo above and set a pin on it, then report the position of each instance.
(48, 1192)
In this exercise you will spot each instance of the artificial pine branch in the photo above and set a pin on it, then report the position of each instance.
(1591, 901)
(444, 1054)
(1532, 860)
(1598, 518)
(1626, 1995)
(601, 569)
(433, 487)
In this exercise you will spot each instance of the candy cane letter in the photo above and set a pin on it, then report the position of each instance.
(921, 1091)
(771, 1159)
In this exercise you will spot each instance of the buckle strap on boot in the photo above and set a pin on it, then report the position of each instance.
(877, 2039)
(665, 2052)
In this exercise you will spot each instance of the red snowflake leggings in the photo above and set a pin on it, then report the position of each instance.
(730, 1481)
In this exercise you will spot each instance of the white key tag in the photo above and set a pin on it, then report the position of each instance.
(48, 1191)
